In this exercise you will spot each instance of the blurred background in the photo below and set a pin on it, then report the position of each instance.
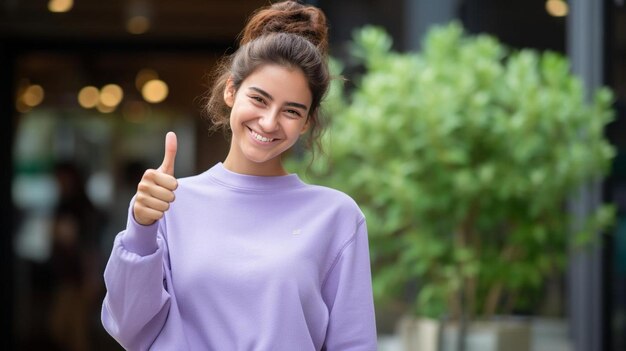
(89, 89)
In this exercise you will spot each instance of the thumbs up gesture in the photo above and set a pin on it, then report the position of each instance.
(155, 191)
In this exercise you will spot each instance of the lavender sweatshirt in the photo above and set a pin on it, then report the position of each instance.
(244, 263)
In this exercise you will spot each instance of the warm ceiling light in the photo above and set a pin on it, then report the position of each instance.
(111, 95)
(138, 24)
(88, 97)
(104, 108)
(33, 95)
(60, 5)
(155, 91)
(143, 76)
(557, 8)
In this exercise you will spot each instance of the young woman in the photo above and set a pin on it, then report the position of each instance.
(246, 256)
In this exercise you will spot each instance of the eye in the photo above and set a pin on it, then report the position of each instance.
(293, 113)
(258, 99)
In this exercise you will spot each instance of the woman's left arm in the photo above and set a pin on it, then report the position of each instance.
(347, 290)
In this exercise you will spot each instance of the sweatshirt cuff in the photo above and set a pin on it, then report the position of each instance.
(138, 238)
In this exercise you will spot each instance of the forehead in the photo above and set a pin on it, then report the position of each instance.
(282, 83)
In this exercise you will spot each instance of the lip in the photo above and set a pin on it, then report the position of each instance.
(251, 133)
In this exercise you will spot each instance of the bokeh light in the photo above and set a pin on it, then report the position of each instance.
(33, 95)
(111, 95)
(143, 76)
(104, 108)
(88, 97)
(59, 6)
(557, 8)
(155, 91)
(138, 24)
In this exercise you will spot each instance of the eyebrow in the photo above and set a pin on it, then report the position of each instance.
(270, 97)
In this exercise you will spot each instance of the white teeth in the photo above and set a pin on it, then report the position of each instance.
(260, 137)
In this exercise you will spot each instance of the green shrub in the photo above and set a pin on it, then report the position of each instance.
(462, 156)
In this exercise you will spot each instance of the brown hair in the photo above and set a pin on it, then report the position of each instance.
(288, 34)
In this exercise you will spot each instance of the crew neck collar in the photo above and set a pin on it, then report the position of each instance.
(240, 181)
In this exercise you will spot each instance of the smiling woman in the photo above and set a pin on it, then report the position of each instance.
(262, 260)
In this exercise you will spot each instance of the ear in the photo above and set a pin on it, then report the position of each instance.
(229, 93)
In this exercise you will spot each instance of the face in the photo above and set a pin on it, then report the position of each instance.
(269, 113)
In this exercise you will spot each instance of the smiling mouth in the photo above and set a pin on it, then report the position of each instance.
(259, 137)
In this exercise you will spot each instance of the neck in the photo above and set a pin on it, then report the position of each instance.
(265, 169)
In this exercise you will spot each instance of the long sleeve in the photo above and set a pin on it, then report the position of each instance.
(347, 292)
(136, 305)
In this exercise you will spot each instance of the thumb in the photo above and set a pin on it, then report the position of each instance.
(170, 154)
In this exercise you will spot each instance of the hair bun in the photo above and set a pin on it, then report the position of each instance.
(289, 17)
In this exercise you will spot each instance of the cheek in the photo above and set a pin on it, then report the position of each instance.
(242, 109)
(297, 129)
(240, 115)
(237, 112)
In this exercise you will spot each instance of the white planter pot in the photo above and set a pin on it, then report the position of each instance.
(422, 334)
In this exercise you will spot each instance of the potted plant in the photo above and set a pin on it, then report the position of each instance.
(461, 156)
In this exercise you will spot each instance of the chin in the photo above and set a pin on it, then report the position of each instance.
(259, 159)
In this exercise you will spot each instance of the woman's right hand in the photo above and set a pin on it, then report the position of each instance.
(155, 191)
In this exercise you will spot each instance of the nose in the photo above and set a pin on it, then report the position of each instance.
(269, 121)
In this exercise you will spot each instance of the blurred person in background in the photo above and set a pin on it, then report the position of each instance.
(75, 262)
